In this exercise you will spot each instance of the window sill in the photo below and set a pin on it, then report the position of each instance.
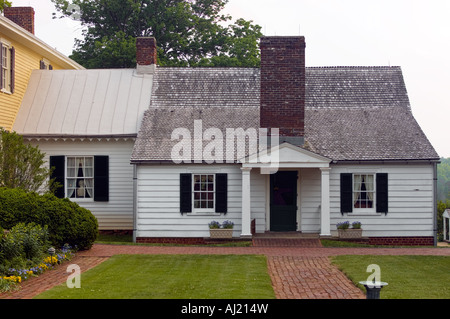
(6, 91)
(82, 200)
(369, 213)
(203, 214)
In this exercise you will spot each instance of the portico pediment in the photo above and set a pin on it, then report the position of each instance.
(286, 155)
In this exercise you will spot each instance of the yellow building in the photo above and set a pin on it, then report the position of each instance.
(20, 53)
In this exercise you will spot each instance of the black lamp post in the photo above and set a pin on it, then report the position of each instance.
(373, 288)
(51, 252)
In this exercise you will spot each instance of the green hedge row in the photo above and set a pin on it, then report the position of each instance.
(67, 222)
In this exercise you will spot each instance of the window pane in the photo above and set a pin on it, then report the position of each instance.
(80, 173)
(89, 162)
(363, 190)
(203, 191)
(89, 172)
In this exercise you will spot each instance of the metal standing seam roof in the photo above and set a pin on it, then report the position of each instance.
(84, 103)
(351, 113)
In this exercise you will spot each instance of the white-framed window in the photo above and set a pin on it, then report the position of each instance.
(6, 67)
(203, 192)
(80, 177)
(364, 191)
(44, 64)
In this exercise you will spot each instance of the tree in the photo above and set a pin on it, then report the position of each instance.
(188, 32)
(21, 165)
(4, 4)
(443, 172)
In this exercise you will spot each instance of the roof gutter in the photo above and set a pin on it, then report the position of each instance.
(390, 161)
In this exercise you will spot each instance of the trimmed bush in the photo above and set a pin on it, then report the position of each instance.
(67, 222)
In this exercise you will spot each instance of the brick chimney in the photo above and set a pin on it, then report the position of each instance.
(283, 86)
(23, 16)
(146, 54)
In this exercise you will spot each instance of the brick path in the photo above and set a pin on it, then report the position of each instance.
(296, 272)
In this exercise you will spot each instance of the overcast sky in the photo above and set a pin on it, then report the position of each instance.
(413, 34)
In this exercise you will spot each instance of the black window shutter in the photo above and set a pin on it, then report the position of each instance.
(221, 193)
(41, 65)
(346, 193)
(382, 193)
(185, 193)
(1, 66)
(57, 163)
(101, 178)
(13, 69)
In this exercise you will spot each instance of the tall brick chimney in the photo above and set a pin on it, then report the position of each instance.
(283, 86)
(146, 54)
(23, 16)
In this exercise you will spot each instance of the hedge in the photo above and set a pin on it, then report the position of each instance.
(67, 222)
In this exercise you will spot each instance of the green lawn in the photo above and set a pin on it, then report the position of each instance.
(408, 277)
(172, 277)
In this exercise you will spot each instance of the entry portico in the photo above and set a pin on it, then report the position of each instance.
(283, 164)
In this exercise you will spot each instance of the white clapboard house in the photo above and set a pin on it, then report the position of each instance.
(163, 151)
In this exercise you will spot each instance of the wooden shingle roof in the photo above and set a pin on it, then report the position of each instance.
(351, 113)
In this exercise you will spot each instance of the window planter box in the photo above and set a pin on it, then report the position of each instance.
(221, 233)
(350, 233)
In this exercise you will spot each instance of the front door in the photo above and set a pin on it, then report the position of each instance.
(283, 201)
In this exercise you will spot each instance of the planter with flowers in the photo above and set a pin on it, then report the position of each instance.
(346, 232)
(224, 230)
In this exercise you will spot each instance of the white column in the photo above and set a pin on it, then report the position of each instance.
(325, 204)
(246, 209)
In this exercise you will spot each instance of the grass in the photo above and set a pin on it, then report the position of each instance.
(172, 277)
(408, 277)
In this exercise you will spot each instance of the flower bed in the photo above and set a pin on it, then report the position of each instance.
(12, 277)
(25, 252)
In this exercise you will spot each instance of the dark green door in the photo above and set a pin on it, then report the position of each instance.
(283, 201)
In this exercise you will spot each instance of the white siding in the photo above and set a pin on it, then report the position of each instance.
(118, 212)
(158, 201)
(410, 200)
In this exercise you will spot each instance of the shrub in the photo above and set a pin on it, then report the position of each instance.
(67, 222)
(227, 224)
(356, 225)
(214, 224)
(343, 225)
(23, 244)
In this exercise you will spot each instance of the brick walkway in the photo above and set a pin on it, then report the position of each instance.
(296, 272)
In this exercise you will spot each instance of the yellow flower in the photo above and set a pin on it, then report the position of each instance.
(16, 279)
